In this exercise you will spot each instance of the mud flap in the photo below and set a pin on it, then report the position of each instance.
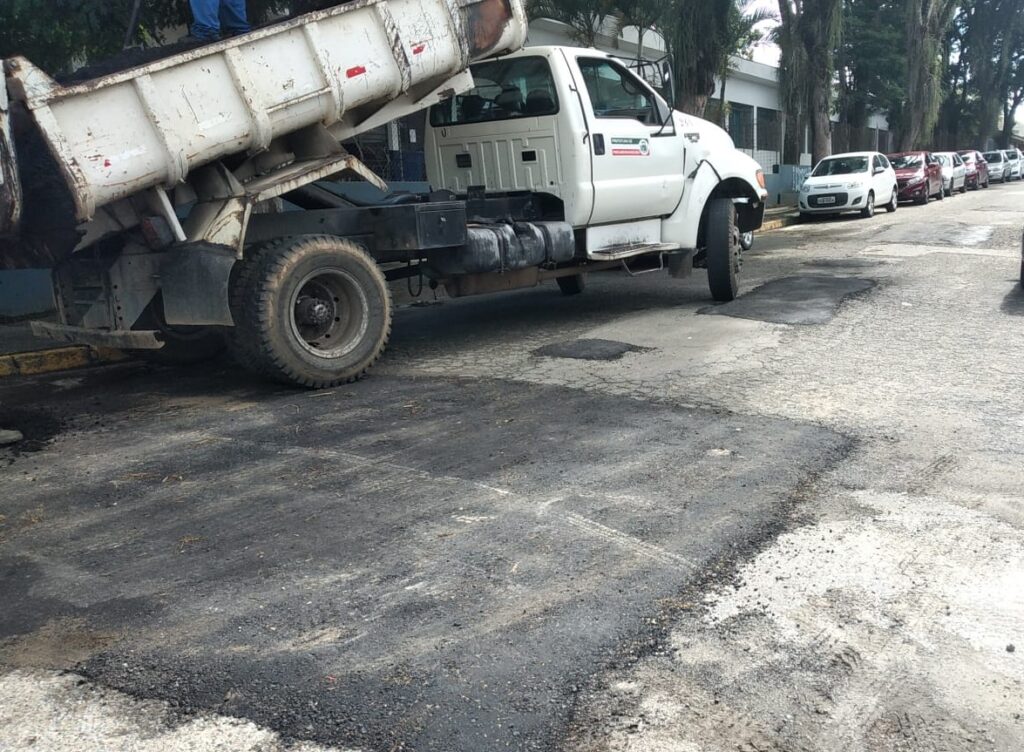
(194, 280)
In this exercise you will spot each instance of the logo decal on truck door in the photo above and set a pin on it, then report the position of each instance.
(631, 147)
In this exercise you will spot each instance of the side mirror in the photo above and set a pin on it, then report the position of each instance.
(879, 170)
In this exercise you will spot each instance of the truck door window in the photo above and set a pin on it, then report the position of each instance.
(505, 89)
(616, 93)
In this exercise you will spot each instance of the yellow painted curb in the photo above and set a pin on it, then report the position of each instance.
(778, 224)
(56, 359)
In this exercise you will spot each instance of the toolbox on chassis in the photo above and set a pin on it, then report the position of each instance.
(191, 203)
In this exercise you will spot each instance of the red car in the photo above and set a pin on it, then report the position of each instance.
(918, 176)
(977, 169)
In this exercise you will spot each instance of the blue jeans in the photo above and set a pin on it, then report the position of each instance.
(210, 16)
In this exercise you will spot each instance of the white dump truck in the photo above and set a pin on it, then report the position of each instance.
(191, 202)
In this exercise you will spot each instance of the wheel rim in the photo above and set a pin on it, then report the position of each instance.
(329, 313)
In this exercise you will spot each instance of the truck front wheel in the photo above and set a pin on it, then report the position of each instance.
(313, 311)
(722, 241)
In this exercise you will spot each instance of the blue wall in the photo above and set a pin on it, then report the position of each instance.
(24, 292)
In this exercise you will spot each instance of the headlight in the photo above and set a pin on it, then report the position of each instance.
(805, 188)
(854, 185)
(918, 178)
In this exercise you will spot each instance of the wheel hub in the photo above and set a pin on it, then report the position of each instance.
(314, 311)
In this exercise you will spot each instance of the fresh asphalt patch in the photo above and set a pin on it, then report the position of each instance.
(423, 564)
(589, 349)
(794, 300)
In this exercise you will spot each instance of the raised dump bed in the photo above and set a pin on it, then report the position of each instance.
(350, 68)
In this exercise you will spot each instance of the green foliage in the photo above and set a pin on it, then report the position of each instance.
(59, 35)
(871, 61)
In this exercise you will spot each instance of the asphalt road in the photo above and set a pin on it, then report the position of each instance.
(628, 520)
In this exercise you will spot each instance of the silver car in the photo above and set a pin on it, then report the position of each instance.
(1016, 166)
(998, 166)
(954, 172)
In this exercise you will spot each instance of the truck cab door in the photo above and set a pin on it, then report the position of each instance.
(637, 154)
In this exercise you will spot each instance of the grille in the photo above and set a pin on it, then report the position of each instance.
(840, 199)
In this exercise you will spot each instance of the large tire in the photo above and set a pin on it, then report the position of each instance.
(312, 311)
(572, 285)
(722, 250)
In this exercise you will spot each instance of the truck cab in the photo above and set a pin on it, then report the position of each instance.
(601, 147)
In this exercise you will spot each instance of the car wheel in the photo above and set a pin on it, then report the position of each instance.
(894, 202)
(869, 209)
(941, 194)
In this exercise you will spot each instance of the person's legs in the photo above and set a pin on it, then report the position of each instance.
(205, 19)
(233, 17)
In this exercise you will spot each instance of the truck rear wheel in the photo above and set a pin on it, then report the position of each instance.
(722, 240)
(312, 311)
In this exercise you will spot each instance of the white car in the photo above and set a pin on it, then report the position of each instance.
(1016, 171)
(858, 181)
(954, 172)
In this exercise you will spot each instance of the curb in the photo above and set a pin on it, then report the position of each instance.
(780, 222)
(56, 359)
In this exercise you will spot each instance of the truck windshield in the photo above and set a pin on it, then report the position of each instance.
(504, 89)
(906, 161)
(840, 166)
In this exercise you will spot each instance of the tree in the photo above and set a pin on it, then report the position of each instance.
(745, 32)
(869, 60)
(697, 35)
(925, 26)
(584, 17)
(808, 35)
(60, 35)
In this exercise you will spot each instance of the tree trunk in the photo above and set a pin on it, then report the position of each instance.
(691, 103)
(821, 123)
(793, 146)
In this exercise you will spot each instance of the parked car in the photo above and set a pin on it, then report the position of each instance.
(998, 166)
(954, 172)
(1013, 156)
(977, 169)
(918, 176)
(858, 181)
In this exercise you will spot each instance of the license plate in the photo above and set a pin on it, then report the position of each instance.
(827, 200)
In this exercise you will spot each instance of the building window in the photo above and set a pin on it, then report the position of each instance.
(741, 125)
(769, 129)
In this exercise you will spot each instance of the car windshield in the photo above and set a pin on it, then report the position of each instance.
(1011, 156)
(905, 161)
(993, 156)
(943, 159)
(969, 157)
(840, 166)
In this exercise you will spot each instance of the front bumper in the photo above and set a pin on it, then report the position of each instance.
(913, 191)
(846, 199)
